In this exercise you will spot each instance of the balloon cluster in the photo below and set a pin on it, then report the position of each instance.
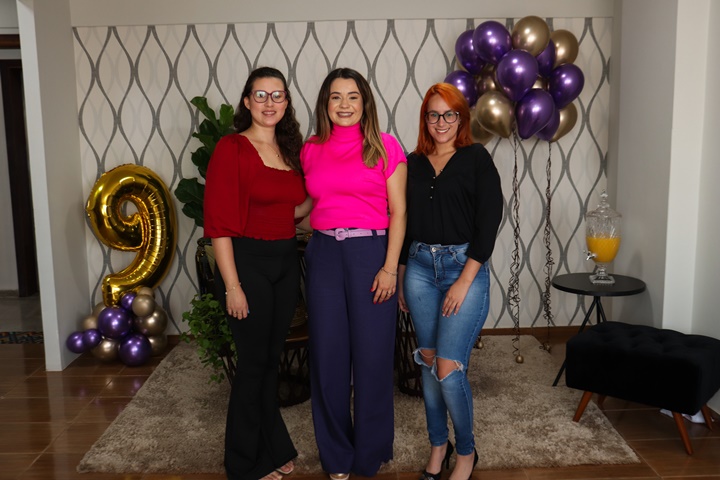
(132, 331)
(524, 79)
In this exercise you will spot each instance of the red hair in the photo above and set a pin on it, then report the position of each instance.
(456, 101)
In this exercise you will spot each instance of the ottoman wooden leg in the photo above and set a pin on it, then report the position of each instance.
(582, 405)
(680, 422)
(708, 416)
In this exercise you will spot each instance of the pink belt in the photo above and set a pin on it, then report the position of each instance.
(341, 234)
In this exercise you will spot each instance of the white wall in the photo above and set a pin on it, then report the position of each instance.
(169, 12)
(705, 319)
(53, 146)
(685, 158)
(640, 160)
(665, 161)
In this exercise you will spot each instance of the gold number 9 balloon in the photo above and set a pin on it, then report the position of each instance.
(152, 231)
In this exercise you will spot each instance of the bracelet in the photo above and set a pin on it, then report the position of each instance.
(392, 274)
(233, 288)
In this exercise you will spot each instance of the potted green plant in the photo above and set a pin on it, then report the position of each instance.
(208, 329)
(215, 126)
(206, 321)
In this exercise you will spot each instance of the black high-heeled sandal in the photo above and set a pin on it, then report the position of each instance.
(444, 465)
(475, 460)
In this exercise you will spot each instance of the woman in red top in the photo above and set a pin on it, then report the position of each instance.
(253, 192)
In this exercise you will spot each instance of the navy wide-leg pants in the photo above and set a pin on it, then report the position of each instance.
(352, 345)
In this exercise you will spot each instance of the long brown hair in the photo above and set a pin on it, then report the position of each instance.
(456, 101)
(287, 130)
(373, 147)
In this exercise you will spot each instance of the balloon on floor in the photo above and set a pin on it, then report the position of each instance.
(116, 332)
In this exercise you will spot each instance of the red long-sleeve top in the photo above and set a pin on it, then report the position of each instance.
(246, 198)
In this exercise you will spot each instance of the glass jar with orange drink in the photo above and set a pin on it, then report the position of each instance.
(602, 234)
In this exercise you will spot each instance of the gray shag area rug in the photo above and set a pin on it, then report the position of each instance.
(175, 424)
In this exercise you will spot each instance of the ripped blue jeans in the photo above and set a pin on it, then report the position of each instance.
(431, 271)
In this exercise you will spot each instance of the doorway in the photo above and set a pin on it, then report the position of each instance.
(11, 88)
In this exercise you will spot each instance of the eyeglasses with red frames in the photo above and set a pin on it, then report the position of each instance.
(433, 117)
(261, 96)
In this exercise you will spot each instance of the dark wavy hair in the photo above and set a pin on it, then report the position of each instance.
(287, 130)
(456, 101)
(373, 147)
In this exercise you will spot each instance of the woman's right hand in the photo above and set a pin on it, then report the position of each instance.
(237, 305)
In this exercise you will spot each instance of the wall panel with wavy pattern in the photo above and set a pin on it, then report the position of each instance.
(134, 86)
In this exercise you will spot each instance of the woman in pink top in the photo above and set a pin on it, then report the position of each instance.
(355, 176)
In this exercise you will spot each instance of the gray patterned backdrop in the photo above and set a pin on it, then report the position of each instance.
(135, 83)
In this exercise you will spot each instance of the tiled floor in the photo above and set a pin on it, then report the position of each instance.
(48, 420)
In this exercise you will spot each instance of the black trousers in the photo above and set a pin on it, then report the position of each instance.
(256, 438)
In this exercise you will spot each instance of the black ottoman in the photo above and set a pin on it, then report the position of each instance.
(652, 366)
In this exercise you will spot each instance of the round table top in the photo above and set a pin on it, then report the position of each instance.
(580, 284)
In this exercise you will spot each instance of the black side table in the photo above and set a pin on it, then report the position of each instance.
(580, 284)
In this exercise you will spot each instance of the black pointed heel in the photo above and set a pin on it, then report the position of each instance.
(425, 475)
(475, 460)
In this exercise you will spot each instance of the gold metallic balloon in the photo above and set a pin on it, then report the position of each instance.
(158, 343)
(568, 118)
(495, 113)
(106, 350)
(519, 359)
(90, 322)
(479, 134)
(566, 47)
(486, 81)
(143, 305)
(151, 231)
(153, 324)
(531, 34)
(98, 308)
(145, 291)
(541, 83)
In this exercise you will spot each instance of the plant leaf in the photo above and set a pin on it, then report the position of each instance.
(190, 190)
(227, 119)
(201, 104)
(195, 212)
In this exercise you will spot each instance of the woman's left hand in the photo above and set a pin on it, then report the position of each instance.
(383, 286)
(455, 297)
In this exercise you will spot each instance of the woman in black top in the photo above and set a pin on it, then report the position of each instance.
(454, 210)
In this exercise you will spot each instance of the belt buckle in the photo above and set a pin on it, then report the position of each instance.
(341, 234)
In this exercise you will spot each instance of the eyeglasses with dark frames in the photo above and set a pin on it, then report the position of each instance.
(261, 96)
(450, 116)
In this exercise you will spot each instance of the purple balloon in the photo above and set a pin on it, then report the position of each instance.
(516, 73)
(466, 54)
(546, 59)
(549, 130)
(126, 301)
(533, 112)
(491, 41)
(91, 338)
(74, 342)
(114, 322)
(464, 82)
(565, 84)
(135, 350)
